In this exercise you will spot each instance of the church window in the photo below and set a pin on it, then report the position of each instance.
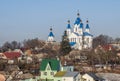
(87, 40)
(79, 39)
(75, 39)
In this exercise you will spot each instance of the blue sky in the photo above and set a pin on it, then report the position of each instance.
(27, 19)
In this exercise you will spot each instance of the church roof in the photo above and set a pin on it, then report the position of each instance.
(68, 26)
(77, 34)
(51, 34)
(87, 26)
(87, 34)
(72, 43)
(81, 25)
(77, 21)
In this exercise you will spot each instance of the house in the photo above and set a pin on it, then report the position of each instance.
(91, 77)
(67, 76)
(12, 55)
(48, 68)
(71, 76)
(67, 68)
(52, 70)
(59, 75)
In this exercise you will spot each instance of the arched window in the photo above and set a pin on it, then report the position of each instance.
(87, 40)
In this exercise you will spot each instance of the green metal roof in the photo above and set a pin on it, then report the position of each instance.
(54, 64)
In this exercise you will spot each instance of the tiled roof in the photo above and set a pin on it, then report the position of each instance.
(107, 47)
(12, 55)
(54, 64)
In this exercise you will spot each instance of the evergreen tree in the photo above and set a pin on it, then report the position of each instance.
(65, 46)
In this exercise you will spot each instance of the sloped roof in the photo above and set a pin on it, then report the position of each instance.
(87, 26)
(107, 47)
(66, 74)
(51, 34)
(54, 64)
(81, 25)
(77, 21)
(94, 76)
(60, 74)
(76, 34)
(71, 74)
(87, 34)
(68, 26)
(12, 55)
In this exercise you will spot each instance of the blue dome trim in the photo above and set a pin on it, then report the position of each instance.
(87, 26)
(72, 43)
(51, 34)
(81, 25)
(77, 21)
(87, 34)
(77, 34)
(68, 27)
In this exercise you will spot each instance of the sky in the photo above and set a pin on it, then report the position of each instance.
(28, 19)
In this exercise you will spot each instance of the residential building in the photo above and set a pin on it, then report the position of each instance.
(91, 77)
(67, 76)
(48, 68)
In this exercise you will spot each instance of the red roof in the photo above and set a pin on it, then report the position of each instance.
(12, 55)
(108, 47)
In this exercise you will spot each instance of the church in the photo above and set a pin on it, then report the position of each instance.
(79, 35)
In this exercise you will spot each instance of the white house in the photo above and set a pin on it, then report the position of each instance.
(71, 76)
(91, 77)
